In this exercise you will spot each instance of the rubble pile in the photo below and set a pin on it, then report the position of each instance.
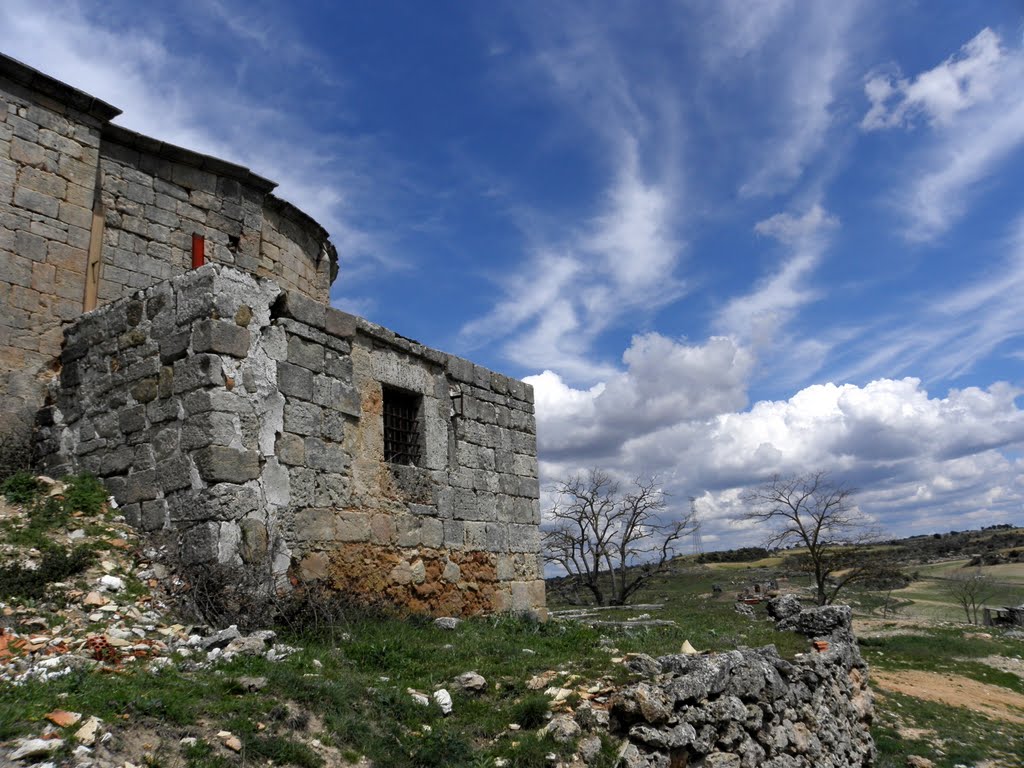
(110, 617)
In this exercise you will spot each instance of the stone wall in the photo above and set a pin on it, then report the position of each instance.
(71, 182)
(155, 197)
(750, 708)
(247, 420)
(49, 148)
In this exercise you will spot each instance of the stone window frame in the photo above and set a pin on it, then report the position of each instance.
(402, 413)
(395, 369)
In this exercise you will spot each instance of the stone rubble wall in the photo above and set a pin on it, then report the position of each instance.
(247, 421)
(750, 708)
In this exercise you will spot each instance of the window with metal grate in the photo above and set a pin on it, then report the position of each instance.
(401, 426)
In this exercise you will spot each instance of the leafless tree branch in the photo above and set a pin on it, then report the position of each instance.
(610, 543)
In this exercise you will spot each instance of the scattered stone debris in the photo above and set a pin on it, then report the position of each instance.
(447, 622)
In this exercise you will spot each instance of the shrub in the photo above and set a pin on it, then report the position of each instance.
(15, 449)
(84, 493)
(532, 711)
(56, 565)
(21, 487)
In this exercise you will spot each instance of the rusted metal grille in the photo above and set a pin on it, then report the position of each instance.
(401, 427)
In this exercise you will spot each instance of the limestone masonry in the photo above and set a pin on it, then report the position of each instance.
(228, 406)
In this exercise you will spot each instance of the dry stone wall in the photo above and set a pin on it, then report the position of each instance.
(247, 421)
(750, 708)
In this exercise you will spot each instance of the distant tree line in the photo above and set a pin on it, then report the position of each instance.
(741, 555)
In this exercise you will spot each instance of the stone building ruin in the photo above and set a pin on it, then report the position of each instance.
(229, 406)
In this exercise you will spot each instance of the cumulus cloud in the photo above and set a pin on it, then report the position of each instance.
(664, 382)
(974, 107)
(676, 411)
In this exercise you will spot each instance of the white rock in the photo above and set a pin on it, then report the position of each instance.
(111, 583)
(87, 733)
(36, 748)
(470, 681)
(444, 701)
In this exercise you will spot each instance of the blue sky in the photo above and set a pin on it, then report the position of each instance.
(722, 239)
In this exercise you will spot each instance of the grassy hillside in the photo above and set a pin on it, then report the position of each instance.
(91, 627)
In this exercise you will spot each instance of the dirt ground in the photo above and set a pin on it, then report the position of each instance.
(953, 690)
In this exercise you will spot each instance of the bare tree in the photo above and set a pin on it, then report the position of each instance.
(971, 591)
(610, 543)
(812, 512)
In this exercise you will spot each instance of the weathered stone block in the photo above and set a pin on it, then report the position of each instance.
(316, 524)
(298, 307)
(328, 457)
(523, 538)
(174, 347)
(353, 526)
(306, 354)
(222, 336)
(303, 418)
(174, 474)
(290, 449)
(218, 463)
(295, 381)
(255, 541)
(154, 515)
(196, 372)
(139, 486)
(132, 419)
(340, 324)
(199, 543)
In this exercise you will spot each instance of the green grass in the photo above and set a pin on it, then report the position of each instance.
(945, 651)
(21, 488)
(961, 737)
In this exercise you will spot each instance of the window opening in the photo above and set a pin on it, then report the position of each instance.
(401, 427)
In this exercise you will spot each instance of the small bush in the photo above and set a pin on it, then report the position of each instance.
(15, 449)
(532, 711)
(21, 488)
(57, 564)
(84, 493)
(440, 748)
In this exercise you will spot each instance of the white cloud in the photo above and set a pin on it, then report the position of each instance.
(664, 382)
(676, 411)
(620, 261)
(802, 53)
(960, 82)
(974, 105)
(759, 316)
